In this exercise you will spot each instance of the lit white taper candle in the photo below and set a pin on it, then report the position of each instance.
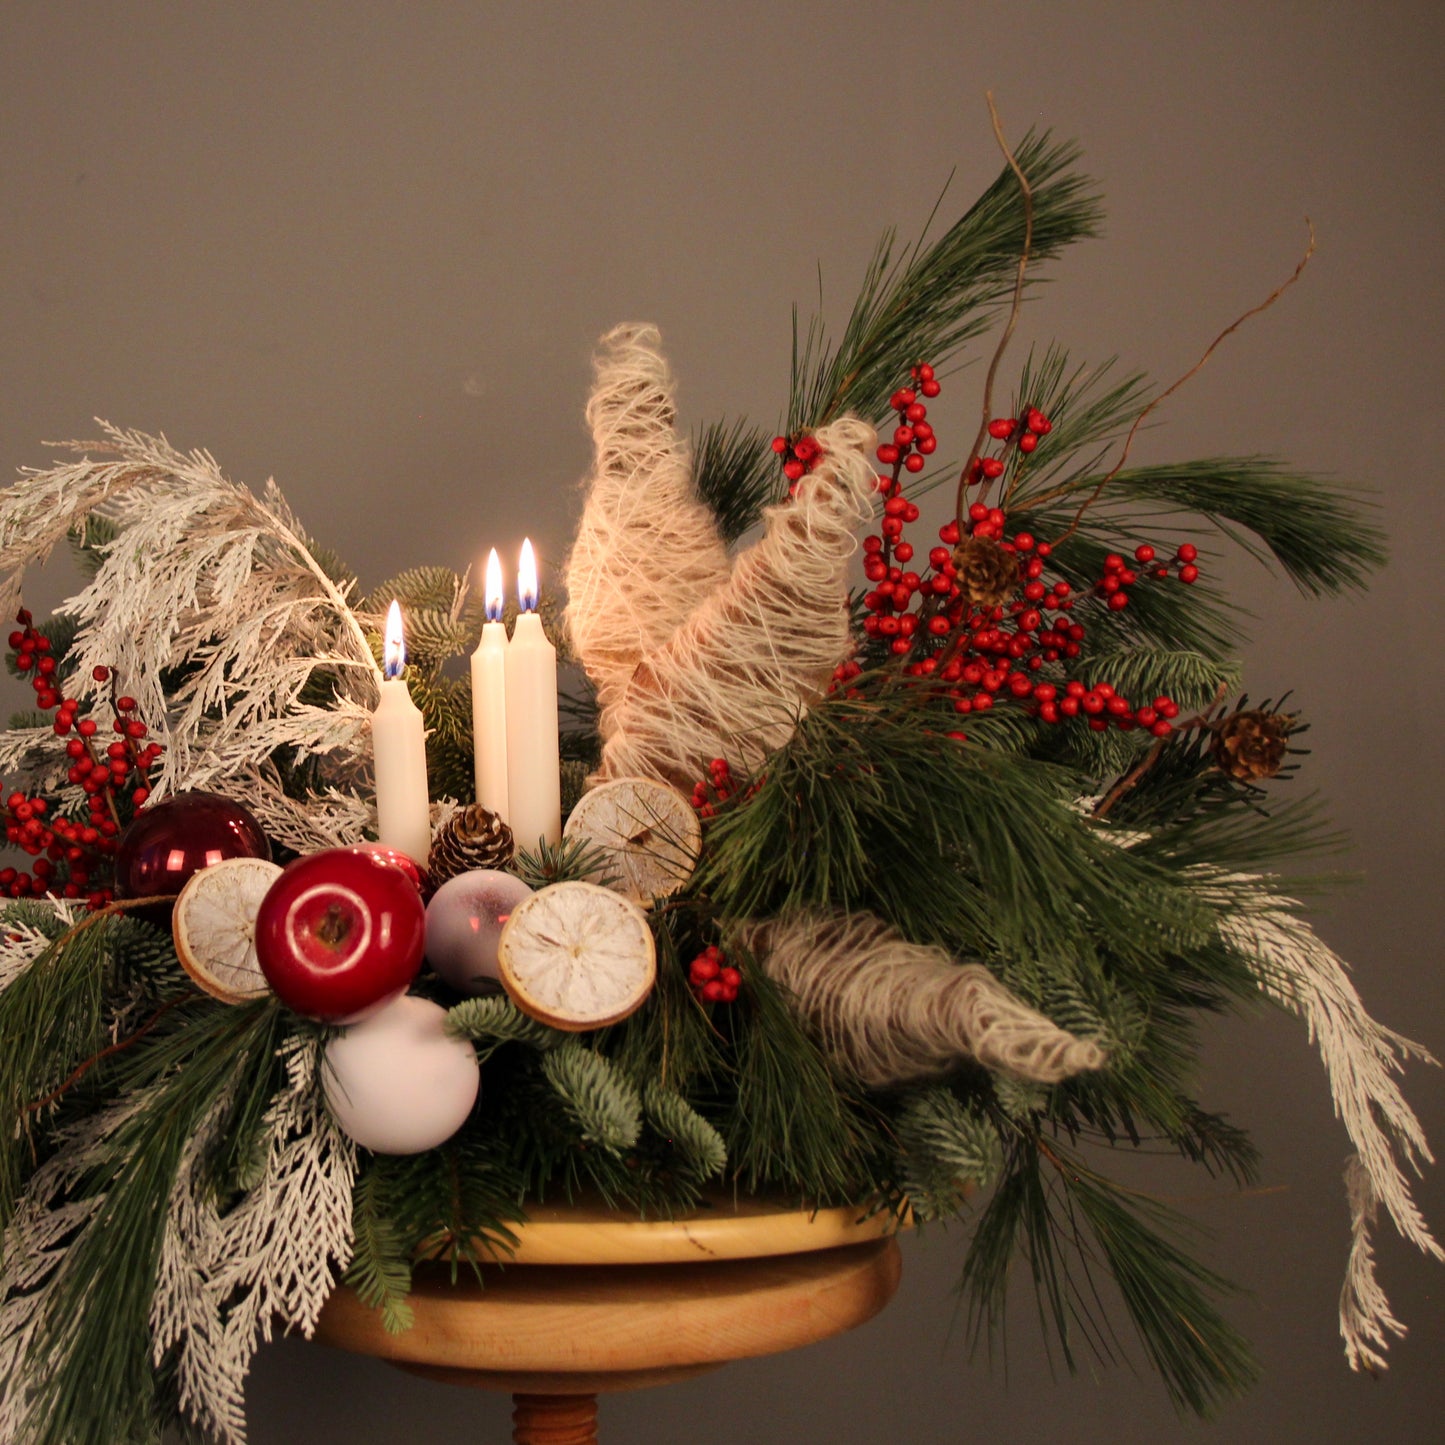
(398, 740)
(534, 780)
(489, 699)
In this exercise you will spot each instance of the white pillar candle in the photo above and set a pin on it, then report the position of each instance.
(489, 699)
(398, 740)
(534, 778)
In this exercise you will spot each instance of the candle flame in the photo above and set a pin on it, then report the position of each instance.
(527, 578)
(493, 589)
(393, 650)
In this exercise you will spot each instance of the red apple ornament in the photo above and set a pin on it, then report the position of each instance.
(340, 932)
(169, 841)
(397, 859)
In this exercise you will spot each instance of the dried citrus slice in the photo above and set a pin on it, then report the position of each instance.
(648, 830)
(577, 956)
(214, 926)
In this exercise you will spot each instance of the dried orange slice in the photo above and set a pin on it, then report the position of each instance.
(577, 956)
(648, 831)
(214, 927)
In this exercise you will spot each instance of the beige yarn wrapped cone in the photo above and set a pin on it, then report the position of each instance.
(889, 1012)
(647, 548)
(694, 659)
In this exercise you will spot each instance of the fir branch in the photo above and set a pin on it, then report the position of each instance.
(496, 1021)
(604, 1107)
(947, 1151)
(419, 590)
(928, 303)
(380, 1268)
(698, 1147)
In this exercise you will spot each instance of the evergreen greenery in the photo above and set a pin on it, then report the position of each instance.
(1074, 863)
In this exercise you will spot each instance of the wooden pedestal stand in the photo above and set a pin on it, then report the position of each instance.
(591, 1303)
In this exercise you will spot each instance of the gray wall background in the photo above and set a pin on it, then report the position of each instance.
(366, 248)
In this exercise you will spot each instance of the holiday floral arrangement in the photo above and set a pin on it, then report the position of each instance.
(907, 892)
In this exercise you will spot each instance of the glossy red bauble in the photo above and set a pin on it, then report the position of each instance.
(340, 932)
(169, 841)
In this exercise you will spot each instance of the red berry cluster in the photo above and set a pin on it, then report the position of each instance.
(981, 620)
(800, 455)
(69, 853)
(1119, 576)
(913, 439)
(1013, 432)
(713, 978)
(716, 788)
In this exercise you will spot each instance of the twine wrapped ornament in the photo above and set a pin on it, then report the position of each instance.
(695, 657)
(888, 1012)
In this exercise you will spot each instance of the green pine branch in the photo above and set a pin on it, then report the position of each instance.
(737, 474)
(1069, 1223)
(926, 303)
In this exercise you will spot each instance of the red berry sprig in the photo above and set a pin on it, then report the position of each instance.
(712, 977)
(1017, 434)
(72, 856)
(800, 455)
(716, 788)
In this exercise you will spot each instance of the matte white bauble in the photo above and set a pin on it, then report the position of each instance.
(464, 923)
(397, 1082)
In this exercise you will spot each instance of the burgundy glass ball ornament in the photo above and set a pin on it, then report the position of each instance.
(464, 922)
(169, 841)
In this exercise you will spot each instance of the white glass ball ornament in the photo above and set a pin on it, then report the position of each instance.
(464, 923)
(397, 1082)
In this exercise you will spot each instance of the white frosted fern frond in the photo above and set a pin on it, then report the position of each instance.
(1366, 1319)
(213, 612)
(1362, 1059)
(37, 1245)
(224, 1280)
(21, 943)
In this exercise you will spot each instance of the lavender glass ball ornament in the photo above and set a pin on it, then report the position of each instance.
(464, 921)
(167, 842)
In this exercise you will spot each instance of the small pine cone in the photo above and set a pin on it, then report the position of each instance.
(1251, 745)
(471, 838)
(987, 571)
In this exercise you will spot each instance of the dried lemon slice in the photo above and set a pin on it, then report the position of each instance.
(214, 927)
(648, 830)
(577, 956)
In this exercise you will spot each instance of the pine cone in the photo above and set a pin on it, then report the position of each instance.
(471, 838)
(987, 572)
(1251, 745)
